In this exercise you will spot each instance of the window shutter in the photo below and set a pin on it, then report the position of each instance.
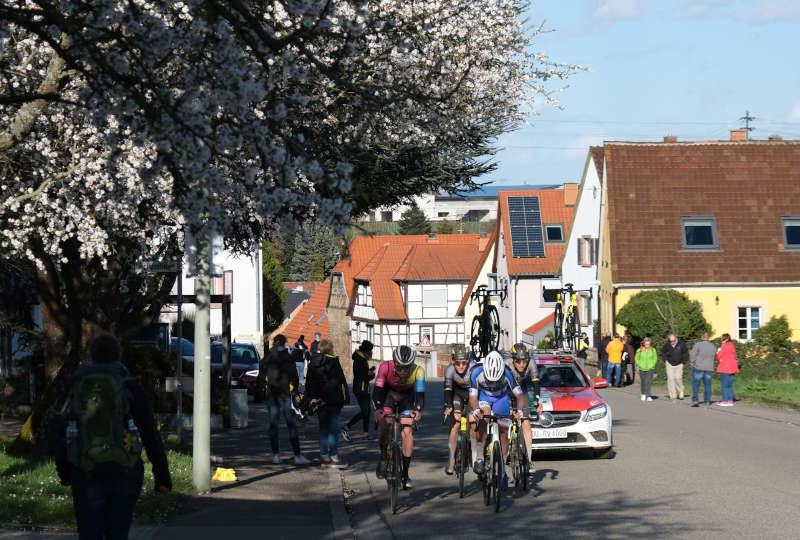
(580, 251)
(594, 245)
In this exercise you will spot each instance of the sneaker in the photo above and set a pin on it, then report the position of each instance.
(336, 463)
(276, 459)
(649, 398)
(407, 483)
(448, 470)
(720, 403)
(346, 434)
(478, 468)
(325, 462)
(644, 397)
(726, 403)
(300, 459)
(695, 404)
(380, 470)
(680, 395)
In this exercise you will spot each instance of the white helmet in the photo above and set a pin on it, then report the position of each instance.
(493, 366)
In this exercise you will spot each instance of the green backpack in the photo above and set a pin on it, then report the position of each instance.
(100, 409)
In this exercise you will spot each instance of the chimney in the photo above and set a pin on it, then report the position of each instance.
(670, 138)
(570, 194)
(775, 138)
(738, 134)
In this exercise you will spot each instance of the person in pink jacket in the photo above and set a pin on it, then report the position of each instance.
(727, 368)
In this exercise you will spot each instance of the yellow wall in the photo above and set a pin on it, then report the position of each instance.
(606, 300)
(723, 315)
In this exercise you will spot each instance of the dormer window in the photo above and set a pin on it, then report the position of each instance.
(554, 232)
(791, 232)
(699, 232)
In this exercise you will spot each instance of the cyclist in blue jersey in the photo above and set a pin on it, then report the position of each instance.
(491, 390)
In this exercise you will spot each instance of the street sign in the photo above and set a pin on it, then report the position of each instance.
(425, 342)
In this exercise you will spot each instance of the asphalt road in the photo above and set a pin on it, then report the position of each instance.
(677, 472)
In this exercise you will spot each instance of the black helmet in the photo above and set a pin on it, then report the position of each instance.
(404, 355)
(520, 352)
(366, 346)
(458, 351)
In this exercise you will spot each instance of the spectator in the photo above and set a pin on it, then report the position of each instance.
(702, 360)
(604, 355)
(362, 374)
(646, 360)
(315, 343)
(675, 354)
(614, 350)
(105, 492)
(301, 356)
(728, 368)
(328, 387)
(628, 360)
(281, 378)
(546, 343)
(583, 348)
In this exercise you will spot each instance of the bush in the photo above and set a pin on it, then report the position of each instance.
(655, 314)
(775, 335)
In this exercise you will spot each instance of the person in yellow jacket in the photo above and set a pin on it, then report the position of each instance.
(614, 350)
(646, 360)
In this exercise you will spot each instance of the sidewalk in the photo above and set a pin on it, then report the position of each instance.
(267, 501)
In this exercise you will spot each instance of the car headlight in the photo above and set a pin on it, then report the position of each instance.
(252, 373)
(596, 413)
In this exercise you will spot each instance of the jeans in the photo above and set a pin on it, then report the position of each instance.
(300, 366)
(604, 367)
(275, 405)
(614, 374)
(727, 386)
(646, 381)
(104, 500)
(364, 412)
(699, 375)
(328, 417)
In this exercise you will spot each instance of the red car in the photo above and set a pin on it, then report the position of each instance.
(574, 416)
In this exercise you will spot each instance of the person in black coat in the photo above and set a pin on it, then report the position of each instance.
(326, 385)
(362, 375)
(105, 495)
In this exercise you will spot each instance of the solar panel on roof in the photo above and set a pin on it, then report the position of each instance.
(525, 219)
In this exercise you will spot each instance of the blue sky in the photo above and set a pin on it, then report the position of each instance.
(689, 68)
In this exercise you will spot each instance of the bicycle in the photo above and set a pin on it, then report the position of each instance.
(520, 463)
(492, 476)
(485, 332)
(462, 461)
(566, 326)
(394, 458)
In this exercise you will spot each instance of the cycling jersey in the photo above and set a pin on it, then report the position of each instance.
(388, 380)
(479, 384)
(455, 383)
(528, 379)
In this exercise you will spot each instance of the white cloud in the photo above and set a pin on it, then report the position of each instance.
(701, 8)
(617, 9)
(771, 11)
(794, 115)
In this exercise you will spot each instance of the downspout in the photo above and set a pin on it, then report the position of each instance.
(516, 283)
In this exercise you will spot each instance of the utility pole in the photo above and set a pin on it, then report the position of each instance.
(201, 417)
(747, 119)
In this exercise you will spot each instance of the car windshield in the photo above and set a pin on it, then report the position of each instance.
(561, 376)
(187, 347)
(239, 355)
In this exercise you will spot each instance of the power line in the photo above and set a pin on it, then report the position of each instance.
(654, 123)
(747, 119)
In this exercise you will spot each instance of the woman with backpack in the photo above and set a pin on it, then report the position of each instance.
(326, 385)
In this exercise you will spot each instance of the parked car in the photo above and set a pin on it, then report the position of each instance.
(187, 348)
(574, 416)
(244, 360)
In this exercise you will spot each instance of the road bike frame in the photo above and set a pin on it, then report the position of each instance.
(485, 333)
(394, 458)
(493, 461)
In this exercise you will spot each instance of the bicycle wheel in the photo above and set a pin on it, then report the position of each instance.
(497, 474)
(515, 464)
(524, 470)
(494, 328)
(395, 467)
(475, 335)
(486, 477)
(558, 329)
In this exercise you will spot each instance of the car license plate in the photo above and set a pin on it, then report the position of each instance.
(549, 433)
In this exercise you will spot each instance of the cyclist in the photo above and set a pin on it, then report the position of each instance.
(399, 387)
(491, 384)
(526, 375)
(456, 395)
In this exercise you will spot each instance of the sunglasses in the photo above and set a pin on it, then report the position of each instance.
(402, 368)
(520, 361)
(461, 363)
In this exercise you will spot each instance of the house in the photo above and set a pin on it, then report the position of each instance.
(311, 318)
(578, 264)
(716, 220)
(528, 240)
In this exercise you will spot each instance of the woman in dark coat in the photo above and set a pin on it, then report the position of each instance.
(362, 375)
(326, 385)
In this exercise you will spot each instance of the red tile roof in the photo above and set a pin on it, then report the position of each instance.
(308, 286)
(747, 186)
(429, 262)
(541, 325)
(487, 249)
(312, 317)
(386, 297)
(553, 210)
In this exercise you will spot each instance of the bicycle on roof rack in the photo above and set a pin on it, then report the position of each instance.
(485, 333)
(566, 322)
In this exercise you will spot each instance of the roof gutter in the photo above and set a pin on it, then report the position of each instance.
(522, 275)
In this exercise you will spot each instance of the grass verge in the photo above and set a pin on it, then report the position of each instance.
(32, 497)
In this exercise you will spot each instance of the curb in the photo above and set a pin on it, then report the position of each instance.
(342, 529)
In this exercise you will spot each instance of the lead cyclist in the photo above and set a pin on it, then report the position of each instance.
(526, 375)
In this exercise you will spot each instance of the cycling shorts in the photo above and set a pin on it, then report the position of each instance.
(498, 404)
(460, 400)
(401, 402)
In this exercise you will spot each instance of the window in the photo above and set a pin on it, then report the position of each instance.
(585, 309)
(749, 322)
(791, 231)
(371, 332)
(434, 296)
(554, 232)
(699, 232)
(443, 214)
(386, 216)
(587, 250)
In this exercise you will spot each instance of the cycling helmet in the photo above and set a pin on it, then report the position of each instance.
(520, 352)
(493, 366)
(458, 351)
(404, 355)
